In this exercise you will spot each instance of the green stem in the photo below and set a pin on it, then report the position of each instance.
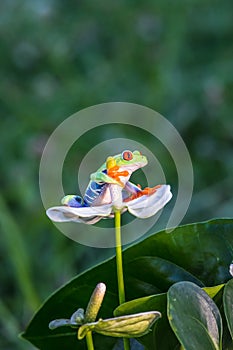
(120, 276)
(89, 341)
(126, 344)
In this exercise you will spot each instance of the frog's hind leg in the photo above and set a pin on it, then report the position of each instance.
(73, 201)
(94, 194)
(130, 191)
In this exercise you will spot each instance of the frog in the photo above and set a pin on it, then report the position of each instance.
(109, 190)
(112, 180)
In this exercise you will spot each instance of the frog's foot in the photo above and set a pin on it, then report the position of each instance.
(147, 191)
(115, 174)
(72, 200)
(112, 170)
(149, 203)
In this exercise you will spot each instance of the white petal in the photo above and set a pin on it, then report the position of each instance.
(88, 215)
(149, 205)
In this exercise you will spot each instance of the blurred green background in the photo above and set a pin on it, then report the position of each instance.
(58, 57)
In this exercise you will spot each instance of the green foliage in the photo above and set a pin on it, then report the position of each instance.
(200, 253)
(228, 305)
(57, 58)
(194, 317)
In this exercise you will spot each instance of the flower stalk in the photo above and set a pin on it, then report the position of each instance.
(89, 341)
(119, 265)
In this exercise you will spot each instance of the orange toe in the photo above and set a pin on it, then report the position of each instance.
(148, 191)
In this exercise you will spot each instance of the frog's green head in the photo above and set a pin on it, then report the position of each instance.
(130, 161)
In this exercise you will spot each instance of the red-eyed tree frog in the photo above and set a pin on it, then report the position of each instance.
(110, 188)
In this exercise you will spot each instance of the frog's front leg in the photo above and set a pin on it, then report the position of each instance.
(111, 174)
(103, 177)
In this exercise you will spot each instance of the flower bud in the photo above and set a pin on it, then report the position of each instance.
(95, 303)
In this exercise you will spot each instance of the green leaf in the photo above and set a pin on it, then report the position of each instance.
(213, 291)
(194, 317)
(228, 305)
(128, 326)
(205, 250)
(159, 273)
(201, 252)
(162, 336)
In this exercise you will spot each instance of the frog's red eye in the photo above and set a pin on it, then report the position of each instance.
(127, 155)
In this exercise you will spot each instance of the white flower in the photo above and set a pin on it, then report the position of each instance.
(142, 207)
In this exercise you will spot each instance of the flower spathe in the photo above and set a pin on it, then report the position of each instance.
(143, 206)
